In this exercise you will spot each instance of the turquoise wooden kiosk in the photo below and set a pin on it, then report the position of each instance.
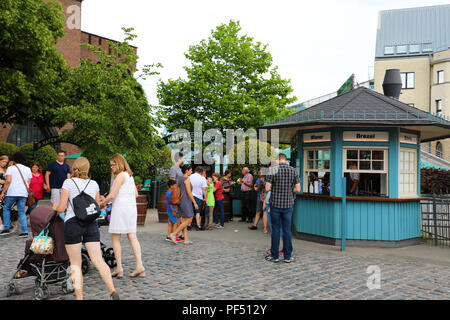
(365, 137)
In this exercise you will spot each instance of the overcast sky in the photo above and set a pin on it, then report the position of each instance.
(317, 44)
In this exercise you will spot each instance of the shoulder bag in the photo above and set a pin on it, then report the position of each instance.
(30, 200)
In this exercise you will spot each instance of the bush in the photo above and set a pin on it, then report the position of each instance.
(8, 149)
(434, 181)
(44, 155)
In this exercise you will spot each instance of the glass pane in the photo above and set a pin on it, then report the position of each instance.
(352, 154)
(427, 47)
(326, 154)
(364, 154)
(377, 165)
(326, 164)
(414, 48)
(401, 49)
(364, 165)
(410, 80)
(316, 154)
(310, 164)
(378, 155)
(319, 154)
(403, 77)
(389, 50)
(352, 165)
(310, 155)
(319, 164)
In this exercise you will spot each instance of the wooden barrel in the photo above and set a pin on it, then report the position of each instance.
(141, 204)
(162, 206)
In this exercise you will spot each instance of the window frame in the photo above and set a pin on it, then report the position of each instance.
(389, 53)
(407, 172)
(405, 82)
(402, 46)
(438, 106)
(305, 164)
(414, 51)
(385, 170)
(438, 80)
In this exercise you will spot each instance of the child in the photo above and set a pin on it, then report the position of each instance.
(171, 210)
(210, 203)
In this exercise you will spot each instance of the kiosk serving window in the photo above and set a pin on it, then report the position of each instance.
(317, 171)
(366, 170)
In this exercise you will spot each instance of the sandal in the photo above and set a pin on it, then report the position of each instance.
(117, 274)
(173, 239)
(137, 274)
(188, 243)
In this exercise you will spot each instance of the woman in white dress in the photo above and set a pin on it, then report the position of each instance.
(123, 214)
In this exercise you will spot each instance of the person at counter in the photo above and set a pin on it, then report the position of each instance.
(353, 182)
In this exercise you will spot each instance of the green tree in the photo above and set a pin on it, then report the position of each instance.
(32, 71)
(44, 155)
(8, 149)
(230, 84)
(109, 110)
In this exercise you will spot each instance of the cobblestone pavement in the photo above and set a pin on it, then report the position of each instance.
(233, 269)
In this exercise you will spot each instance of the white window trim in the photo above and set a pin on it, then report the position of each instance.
(407, 194)
(305, 165)
(385, 159)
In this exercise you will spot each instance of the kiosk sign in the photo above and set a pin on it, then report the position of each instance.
(366, 136)
(408, 138)
(316, 137)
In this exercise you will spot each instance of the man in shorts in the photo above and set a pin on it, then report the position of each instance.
(57, 172)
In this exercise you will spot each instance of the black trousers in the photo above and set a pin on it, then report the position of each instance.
(246, 205)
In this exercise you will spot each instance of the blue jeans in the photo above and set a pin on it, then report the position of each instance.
(32, 207)
(7, 204)
(270, 221)
(281, 218)
(219, 204)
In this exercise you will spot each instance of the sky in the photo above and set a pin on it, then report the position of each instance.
(316, 44)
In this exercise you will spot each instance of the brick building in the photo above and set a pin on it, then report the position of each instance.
(70, 47)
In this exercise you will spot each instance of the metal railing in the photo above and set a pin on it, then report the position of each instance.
(436, 220)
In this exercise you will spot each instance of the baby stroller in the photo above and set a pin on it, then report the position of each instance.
(107, 253)
(48, 269)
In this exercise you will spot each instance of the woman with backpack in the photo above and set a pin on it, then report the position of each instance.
(186, 205)
(123, 194)
(77, 232)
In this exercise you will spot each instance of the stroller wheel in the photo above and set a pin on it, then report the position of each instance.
(41, 293)
(67, 286)
(85, 263)
(12, 289)
(109, 258)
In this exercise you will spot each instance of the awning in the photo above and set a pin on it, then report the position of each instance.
(75, 155)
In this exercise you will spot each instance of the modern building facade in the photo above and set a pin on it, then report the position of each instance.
(72, 51)
(417, 42)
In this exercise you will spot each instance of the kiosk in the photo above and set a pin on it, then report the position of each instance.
(374, 142)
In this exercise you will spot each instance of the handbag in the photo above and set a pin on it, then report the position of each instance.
(30, 200)
(42, 244)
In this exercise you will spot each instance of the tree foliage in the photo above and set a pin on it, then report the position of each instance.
(109, 110)
(31, 68)
(230, 84)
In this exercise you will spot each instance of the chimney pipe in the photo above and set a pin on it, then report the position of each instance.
(392, 84)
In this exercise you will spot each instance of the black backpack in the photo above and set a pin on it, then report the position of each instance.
(85, 207)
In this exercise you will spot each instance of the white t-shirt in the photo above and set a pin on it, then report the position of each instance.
(198, 182)
(17, 187)
(70, 186)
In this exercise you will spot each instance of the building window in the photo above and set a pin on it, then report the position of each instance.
(414, 48)
(389, 50)
(438, 106)
(317, 171)
(407, 80)
(23, 134)
(401, 49)
(440, 76)
(90, 39)
(368, 166)
(439, 152)
(99, 41)
(427, 47)
(408, 172)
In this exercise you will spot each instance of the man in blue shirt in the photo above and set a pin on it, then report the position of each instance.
(57, 172)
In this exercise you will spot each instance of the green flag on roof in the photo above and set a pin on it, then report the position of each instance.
(347, 86)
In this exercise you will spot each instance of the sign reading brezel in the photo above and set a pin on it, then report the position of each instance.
(408, 138)
(317, 137)
(366, 136)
